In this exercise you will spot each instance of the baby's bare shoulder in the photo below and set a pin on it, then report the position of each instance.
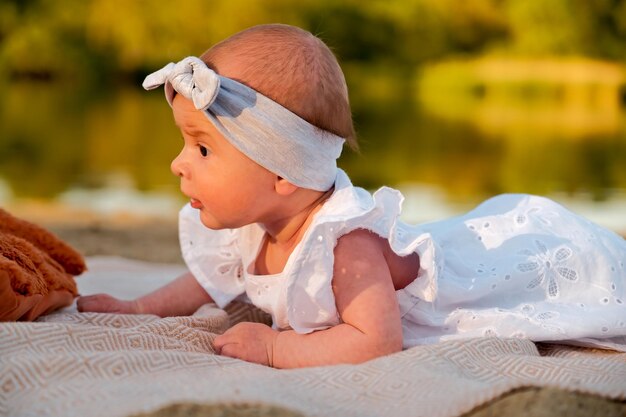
(365, 251)
(360, 237)
(360, 245)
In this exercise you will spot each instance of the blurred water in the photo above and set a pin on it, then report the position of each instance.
(109, 150)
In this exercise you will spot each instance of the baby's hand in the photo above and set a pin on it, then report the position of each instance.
(103, 303)
(252, 342)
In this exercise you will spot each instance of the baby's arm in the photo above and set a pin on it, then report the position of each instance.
(181, 297)
(366, 301)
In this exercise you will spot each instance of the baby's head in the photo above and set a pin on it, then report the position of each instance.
(267, 107)
(292, 67)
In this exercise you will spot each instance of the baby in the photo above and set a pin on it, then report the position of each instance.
(273, 221)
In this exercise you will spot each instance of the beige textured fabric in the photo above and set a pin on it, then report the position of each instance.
(113, 365)
(71, 364)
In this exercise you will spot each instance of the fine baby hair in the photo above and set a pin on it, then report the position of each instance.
(292, 67)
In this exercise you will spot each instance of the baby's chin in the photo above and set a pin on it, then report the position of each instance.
(209, 221)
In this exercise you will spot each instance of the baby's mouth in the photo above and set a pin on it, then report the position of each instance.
(195, 203)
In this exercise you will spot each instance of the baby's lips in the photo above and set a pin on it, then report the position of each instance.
(195, 203)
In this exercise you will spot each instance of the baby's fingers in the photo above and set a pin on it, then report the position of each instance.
(228, 344)
(87, 302)
(220, 341)
(99, 303)
(231, 350)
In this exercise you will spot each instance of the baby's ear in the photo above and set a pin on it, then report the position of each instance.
(284, 187)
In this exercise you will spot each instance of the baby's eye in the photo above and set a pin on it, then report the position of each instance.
(203, 150)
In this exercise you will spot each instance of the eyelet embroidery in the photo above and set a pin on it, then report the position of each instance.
(548, 265)
(537, 214)
(229, 265)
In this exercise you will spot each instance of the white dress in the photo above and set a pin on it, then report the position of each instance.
(515, 266)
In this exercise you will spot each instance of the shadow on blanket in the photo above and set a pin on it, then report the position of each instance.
(221, 410)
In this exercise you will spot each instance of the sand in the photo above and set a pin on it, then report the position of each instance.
(156, 240)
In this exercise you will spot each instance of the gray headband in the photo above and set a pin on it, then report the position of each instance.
(263, 130)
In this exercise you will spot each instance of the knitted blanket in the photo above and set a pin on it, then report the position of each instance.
(90, 364)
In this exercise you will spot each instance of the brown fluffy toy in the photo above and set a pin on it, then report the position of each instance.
(37, 270)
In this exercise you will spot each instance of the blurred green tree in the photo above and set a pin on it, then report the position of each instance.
(86, 39)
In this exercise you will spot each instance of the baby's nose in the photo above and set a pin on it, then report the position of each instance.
(177, 166)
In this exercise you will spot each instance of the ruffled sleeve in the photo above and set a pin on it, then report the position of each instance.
(212, 256)
(310, 299)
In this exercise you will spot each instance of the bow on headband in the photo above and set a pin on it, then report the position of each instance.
(191, 78)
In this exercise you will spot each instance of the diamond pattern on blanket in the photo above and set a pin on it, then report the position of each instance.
(90, 364)
(112, 332)
(239, 311)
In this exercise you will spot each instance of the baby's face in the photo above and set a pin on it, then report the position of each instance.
(228, 188)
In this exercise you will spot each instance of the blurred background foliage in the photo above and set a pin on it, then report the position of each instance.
(469, 97)
(98, 38)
